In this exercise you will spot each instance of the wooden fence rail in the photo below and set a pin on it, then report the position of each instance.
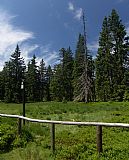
(99, 126)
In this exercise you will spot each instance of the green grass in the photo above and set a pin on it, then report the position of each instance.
(72, 142)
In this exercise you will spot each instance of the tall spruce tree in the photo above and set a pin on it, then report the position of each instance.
(104, 84)
(33, 81)
(2, 86)
(78, 63)
(56, 88)
(126, 78)
(14, 73)
(42, 73)
(79, 57)
(67, 69)
(8, 81)
(111, 60)
(49, 74)
(118, 33)
(61, 83)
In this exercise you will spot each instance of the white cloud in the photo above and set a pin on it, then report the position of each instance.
(93, 46)
(127, 30)
(70, 6)
(77, 12)
(26, 49)
(50, 56)
(10, 36)
(45, 52)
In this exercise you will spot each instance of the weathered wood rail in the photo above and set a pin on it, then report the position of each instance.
(99, 126)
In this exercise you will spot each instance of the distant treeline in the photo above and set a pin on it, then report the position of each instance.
(105, 78)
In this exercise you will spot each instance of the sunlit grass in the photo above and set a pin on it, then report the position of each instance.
(72, 142)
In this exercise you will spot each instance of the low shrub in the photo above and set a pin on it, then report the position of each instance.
(9, 138)
(21, 141)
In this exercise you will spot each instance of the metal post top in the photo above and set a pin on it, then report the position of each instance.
(22, 85)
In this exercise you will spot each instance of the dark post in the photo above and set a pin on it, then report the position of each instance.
(19, 126)
(99, 139)
(23, 98)
(53, 137)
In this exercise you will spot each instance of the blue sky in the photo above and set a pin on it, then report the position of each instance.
(44, 26)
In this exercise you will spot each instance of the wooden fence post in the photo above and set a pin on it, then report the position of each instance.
(19, 126)
(53, 137)
(99, 139)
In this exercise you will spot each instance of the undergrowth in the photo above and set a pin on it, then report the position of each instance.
(72, 142)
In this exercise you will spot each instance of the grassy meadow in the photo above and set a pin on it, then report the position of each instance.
(72, 142)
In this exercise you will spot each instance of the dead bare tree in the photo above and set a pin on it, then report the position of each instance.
(84, 81)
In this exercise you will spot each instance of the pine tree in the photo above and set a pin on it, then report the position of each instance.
(126, 78)
(17, 74)
(42, 72)
(2, 86)
(33, 81)
(56, 88)
(48, 76)
(111, 60)
(91, 75)
(61, 82)
(79, 57)
(7, 70)
(14, 74)
(104, 64)
(67, 69)
(118, 33)
(78, 63)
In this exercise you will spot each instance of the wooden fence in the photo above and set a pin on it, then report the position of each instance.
(99, 126)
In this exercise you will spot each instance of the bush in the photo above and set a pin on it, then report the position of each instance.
(9, 138)
(21, 141)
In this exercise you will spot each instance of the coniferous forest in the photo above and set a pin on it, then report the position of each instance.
(78, 76)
